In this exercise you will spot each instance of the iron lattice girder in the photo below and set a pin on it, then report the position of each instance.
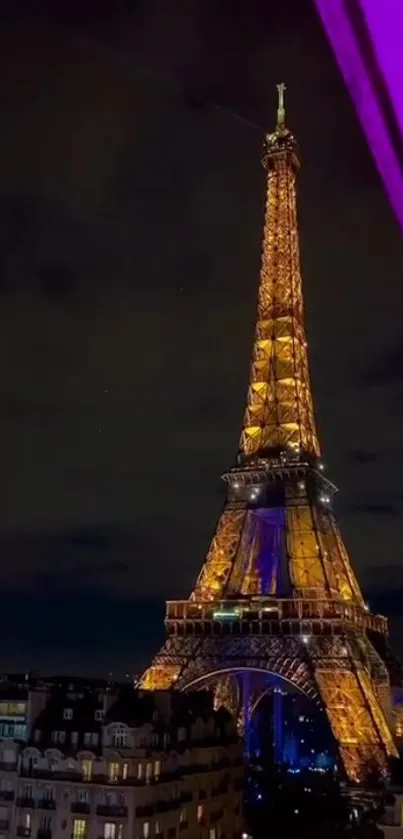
(279, 410)
(337, 672)
(277, 520)
(270, 616)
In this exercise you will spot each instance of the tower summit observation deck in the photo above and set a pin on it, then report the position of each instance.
(277, 599)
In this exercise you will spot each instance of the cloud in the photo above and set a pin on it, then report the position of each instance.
(373, 509)
(362, 456)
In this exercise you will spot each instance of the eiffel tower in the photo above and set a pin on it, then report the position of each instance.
(277, 600)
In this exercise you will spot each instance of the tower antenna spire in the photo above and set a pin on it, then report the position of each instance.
(281, 88)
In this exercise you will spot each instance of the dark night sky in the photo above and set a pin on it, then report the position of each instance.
(130, 223)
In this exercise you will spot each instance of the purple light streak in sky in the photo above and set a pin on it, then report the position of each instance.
(380, 18)
(384, 19)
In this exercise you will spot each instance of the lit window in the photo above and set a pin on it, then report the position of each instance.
(27, 820)
(146, 830)
(109, 830)
(68, 715)
(12, 709)
(149, 771)
(79, 828)
(139, 771)
(212, 833)
(182, 815)
(157, 769)
(200, 812)
(113, 772)
(86, 768)
(157, 828)
(125, 769)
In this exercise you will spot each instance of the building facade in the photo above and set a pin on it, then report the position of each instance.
(117, 763)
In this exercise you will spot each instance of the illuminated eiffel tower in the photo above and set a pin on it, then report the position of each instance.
(277, 597)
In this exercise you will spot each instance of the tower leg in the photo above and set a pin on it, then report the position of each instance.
(278, 724)
(245, 713)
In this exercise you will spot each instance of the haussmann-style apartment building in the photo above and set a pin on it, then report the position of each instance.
(83, 760)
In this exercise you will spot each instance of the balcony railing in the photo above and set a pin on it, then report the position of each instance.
(167, 806)
(8, 767)
(144, 810)
(44, 833)
(25, 801)
(80, 807)
(261, 615)
(46, 804)
(7, 795)
(216, 816)
(116, 811)
(23, 831)
(4, 824)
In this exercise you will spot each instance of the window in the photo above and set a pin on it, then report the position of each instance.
(13, 731)
(139, 771)
(181, 734)
(158, 830)
(48, 793)
(112, 830)
(79, 828)
(37, 734)
(149, 771)
(68, 715)
(99, 715)
(46, 822)
(12, 709)
(125, 769)
(82, 796)
(74, 737)
(212, 833)
(26, 820)
(58, 736)
(157, 769)
(86, 768)
(183, 815)
(87, 738)
(119, 737)
(53, 764)
(94, 738)
(27, 794)
(6, 785)
(113, 772)
(146, 830)
(200, 813)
